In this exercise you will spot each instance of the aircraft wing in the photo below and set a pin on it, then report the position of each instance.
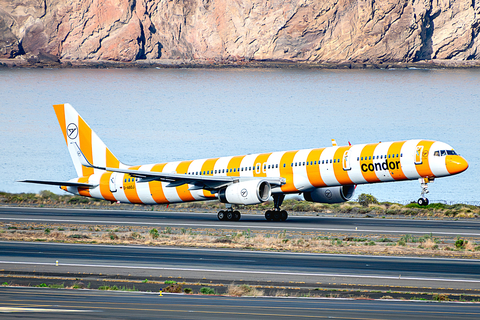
(176, 179)
(62, 183)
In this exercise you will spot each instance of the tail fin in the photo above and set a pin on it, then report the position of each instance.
(76, 130)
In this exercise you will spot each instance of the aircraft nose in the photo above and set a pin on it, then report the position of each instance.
(456, 164)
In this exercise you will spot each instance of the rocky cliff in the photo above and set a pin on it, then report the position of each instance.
(236, 30)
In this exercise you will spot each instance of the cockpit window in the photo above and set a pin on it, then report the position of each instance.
(442, 153)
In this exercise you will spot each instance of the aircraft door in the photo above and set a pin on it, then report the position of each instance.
(346, 161)
(112, 182)
(418, 155)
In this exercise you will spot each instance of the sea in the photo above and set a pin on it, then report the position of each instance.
(157, 115)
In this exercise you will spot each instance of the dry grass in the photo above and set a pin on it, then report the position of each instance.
(293, 241)
(429, 244)
(244, 290)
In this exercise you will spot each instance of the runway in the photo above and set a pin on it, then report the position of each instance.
(40, 303)
(232, 265)
(448, 228)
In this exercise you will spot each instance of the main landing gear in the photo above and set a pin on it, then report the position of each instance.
(423, 201)
(229, 214)
(276, 214)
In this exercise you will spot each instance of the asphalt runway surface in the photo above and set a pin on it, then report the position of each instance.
(233, 265)
(41, 303)
(448, 228)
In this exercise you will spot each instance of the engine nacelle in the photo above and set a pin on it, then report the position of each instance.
(330, 194)
(247, 192)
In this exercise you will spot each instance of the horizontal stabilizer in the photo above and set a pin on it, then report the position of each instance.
(61, 183)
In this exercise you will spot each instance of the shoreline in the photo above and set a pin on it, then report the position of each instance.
(36, 63)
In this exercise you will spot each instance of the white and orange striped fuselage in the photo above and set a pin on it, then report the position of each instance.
(322, 175)
(303, 170)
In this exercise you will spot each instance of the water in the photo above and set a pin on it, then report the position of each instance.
(156, 115)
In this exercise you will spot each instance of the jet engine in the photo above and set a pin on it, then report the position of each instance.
(330, 194)
(246, 192)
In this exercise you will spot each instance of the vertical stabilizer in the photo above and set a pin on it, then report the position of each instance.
(76, 130)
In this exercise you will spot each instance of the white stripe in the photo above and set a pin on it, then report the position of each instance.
(408, 160)
(243, 271)
(143, 188)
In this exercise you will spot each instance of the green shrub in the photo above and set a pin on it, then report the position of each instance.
(207, 290)
(154, 233)
(366, 199)
(41, 285)
(460, 243)
(170, 282)
(188, 290)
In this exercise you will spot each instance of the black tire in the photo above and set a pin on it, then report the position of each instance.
(276, 216)
(422, 202)
(221, 215)
(268, 215)
(426, 202)
(236, 216)
(283, 215)
(229, 215)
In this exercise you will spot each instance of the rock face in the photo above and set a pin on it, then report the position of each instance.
(236, 30)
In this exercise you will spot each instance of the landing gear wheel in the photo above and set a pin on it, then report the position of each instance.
(221, 215)
(423, 202)
(230, 215)
(283, 215)
(269, 215)
(236, 215)
(276, 216)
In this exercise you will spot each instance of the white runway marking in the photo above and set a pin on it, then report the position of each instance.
(238, 226)
(244, 271)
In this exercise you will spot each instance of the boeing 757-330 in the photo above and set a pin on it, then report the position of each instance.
(325, 175)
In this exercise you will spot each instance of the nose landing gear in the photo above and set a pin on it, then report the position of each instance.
(423, 201)
(276, 214)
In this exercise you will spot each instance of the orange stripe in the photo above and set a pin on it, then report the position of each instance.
(261, 160)
(287, 171)
(85, 136)
(208, 165)
(130, 188)
(112, 161)
(60, 112)
(396, 148)
(156, 188)
(424, 168)
(367, 151)
(105, 186)
(182, 190)
(234, 164)
(313, 171)
(340, 174)
(84, 192)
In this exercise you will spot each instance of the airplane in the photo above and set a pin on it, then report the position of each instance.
(324, 175)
